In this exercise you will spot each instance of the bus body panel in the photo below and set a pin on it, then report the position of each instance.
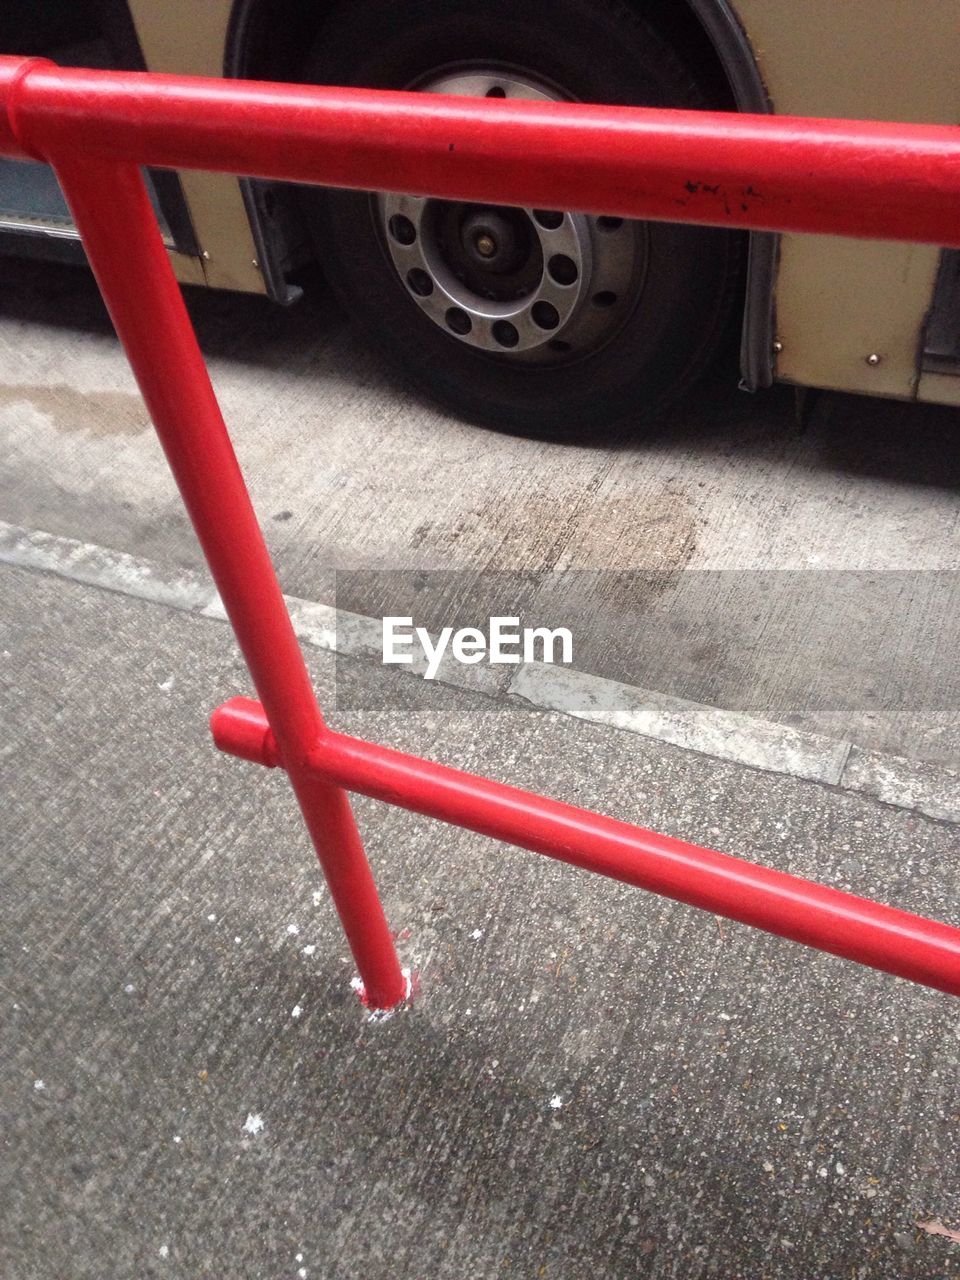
(838, 302)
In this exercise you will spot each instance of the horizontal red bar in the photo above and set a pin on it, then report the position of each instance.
(897, 942)
(889, 181)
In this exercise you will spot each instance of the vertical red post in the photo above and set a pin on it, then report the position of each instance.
(113, 214)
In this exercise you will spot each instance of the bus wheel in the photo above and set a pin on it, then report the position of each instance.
(545, 321)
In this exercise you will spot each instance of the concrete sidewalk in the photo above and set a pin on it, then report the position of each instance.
(591, 1081)
(350, 470)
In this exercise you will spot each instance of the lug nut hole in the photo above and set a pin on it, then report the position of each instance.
(605, 298)
(458, 321)
(496, 91)
(562, 269)
(402, 229)
(544, 315)
(609, 224)
(549, 219)
(504, 333)
(420, 283)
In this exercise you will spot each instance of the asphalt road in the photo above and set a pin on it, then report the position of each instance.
(591, 1081)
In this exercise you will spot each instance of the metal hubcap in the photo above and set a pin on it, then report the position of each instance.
(530, 284)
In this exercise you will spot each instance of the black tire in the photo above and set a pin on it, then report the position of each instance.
(593, 50)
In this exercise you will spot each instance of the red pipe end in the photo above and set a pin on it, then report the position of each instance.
(240, 728)
(379, 1012)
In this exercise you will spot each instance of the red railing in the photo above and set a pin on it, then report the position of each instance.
(95, 128)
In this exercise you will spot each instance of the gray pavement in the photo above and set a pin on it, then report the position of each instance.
(351, 471)
(591, 1081)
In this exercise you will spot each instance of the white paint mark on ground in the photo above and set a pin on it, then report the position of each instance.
(477, 935)
(253, 1124)
(39, 1085)
(293, 929)
(164, 1251)
(384, 1015)
(296, 1011)
(167, 684)
(556, 1102)
(309, 949)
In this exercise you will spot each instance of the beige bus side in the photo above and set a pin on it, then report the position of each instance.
(838, 302)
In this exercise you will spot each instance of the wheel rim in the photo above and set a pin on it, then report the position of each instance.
(535, 285)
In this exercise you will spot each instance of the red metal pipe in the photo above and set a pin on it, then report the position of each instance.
(95, 127)
(113, 214)
(863, 178)
(897, 942)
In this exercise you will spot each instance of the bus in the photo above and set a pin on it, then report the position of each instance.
(545, 320)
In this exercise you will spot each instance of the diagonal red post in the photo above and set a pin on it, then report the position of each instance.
(113, 214)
